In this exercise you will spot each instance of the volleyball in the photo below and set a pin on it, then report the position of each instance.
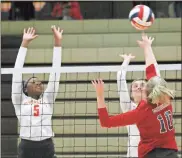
(141, 17)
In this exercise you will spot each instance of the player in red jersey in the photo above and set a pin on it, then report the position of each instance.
(152, 116)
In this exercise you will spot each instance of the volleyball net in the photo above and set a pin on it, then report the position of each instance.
(75, 120)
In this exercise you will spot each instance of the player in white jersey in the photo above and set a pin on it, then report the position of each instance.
(127, 104)
(33, 105)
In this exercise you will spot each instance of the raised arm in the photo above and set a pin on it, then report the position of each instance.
(53, 85)
(16, 92)
(128, 118)
(156, 87)
(125, 101)
(150, 60)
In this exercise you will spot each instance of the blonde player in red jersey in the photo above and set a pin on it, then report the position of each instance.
(153, 116)
(128, 103)
(33, 105)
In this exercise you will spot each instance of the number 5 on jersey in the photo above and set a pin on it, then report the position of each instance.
(36, 110)
(169, 123)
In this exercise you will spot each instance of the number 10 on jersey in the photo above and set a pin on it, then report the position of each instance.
(168, 126)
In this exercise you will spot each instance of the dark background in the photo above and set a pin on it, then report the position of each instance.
(89, 10)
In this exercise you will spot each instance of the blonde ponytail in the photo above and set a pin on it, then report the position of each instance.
(158, 90)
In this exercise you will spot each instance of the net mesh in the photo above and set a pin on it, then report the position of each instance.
(75, 121)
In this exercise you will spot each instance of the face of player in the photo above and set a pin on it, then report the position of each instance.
(35, 87)
(138, 90)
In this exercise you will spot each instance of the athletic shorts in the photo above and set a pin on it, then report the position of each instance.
(36, 149)
(162, 153)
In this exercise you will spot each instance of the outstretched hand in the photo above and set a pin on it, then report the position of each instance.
(127, 57)
(57, 35)
(99, 88)
(28, 36)
(146, 41)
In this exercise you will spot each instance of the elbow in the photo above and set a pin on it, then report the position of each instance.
(104, 119)
(105, 124)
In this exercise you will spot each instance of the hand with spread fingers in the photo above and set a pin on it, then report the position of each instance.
(127, 57)
(99, 88)
(146, 41)
(57, 32)
(28, 36)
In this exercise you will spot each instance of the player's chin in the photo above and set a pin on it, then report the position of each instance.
(140, 97)
(138, 94)
(39, 92)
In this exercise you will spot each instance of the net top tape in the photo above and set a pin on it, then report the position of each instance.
(84, 69)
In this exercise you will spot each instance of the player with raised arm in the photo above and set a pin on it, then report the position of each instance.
(153, 116)
(128, 102)
(34, 106)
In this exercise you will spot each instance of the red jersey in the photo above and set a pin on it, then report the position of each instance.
(154, 123)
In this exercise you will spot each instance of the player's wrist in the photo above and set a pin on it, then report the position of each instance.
(57, 43)
(147, 46)
(126, 61)
(25, 43)
(101, 105)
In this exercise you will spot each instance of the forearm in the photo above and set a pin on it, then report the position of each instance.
(53, 84)
(124, 97)
(125, 101)
(151, 63)
(17, 77)
(149, 56)
(56, 59)
(101, 102)
(123, 91)
(121, 75)
(56, 63)
(125, 64)
(124, 119)
(21, 57)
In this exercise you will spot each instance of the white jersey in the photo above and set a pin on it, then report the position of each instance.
(126, 105)
(35, 115)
